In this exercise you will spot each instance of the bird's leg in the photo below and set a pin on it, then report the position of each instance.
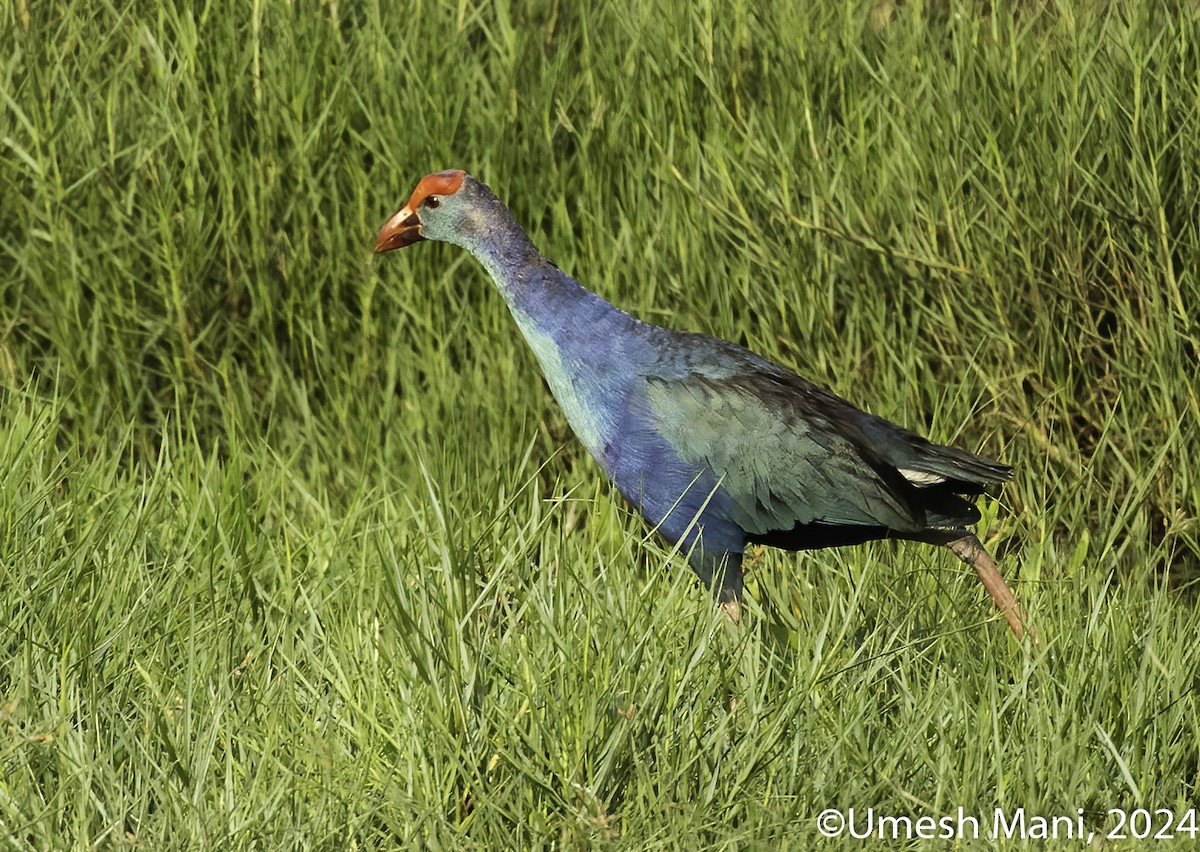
(732, 610)
(969, 550)
(726, 583)
(722, 573)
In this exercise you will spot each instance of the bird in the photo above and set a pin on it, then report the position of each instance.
(716, 447)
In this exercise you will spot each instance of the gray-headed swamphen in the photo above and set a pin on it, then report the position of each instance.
(716, 447)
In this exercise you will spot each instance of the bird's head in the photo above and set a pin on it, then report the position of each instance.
(440, 208)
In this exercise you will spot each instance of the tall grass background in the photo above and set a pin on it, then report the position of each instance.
(296, 550)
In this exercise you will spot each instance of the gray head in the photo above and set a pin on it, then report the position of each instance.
(450, 206)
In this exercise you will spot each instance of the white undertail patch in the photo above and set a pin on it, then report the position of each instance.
(921, 478)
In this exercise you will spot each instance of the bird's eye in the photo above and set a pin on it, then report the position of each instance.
(432, 202)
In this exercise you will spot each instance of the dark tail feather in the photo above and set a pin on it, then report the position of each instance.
(964, 472)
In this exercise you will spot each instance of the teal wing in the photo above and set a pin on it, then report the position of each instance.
(785, 452)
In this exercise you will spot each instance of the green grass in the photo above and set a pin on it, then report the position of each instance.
(296, 550)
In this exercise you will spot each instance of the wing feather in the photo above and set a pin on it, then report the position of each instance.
(780, 449)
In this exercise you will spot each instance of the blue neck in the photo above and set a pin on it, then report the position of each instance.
(580, 340)
(530, 284)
